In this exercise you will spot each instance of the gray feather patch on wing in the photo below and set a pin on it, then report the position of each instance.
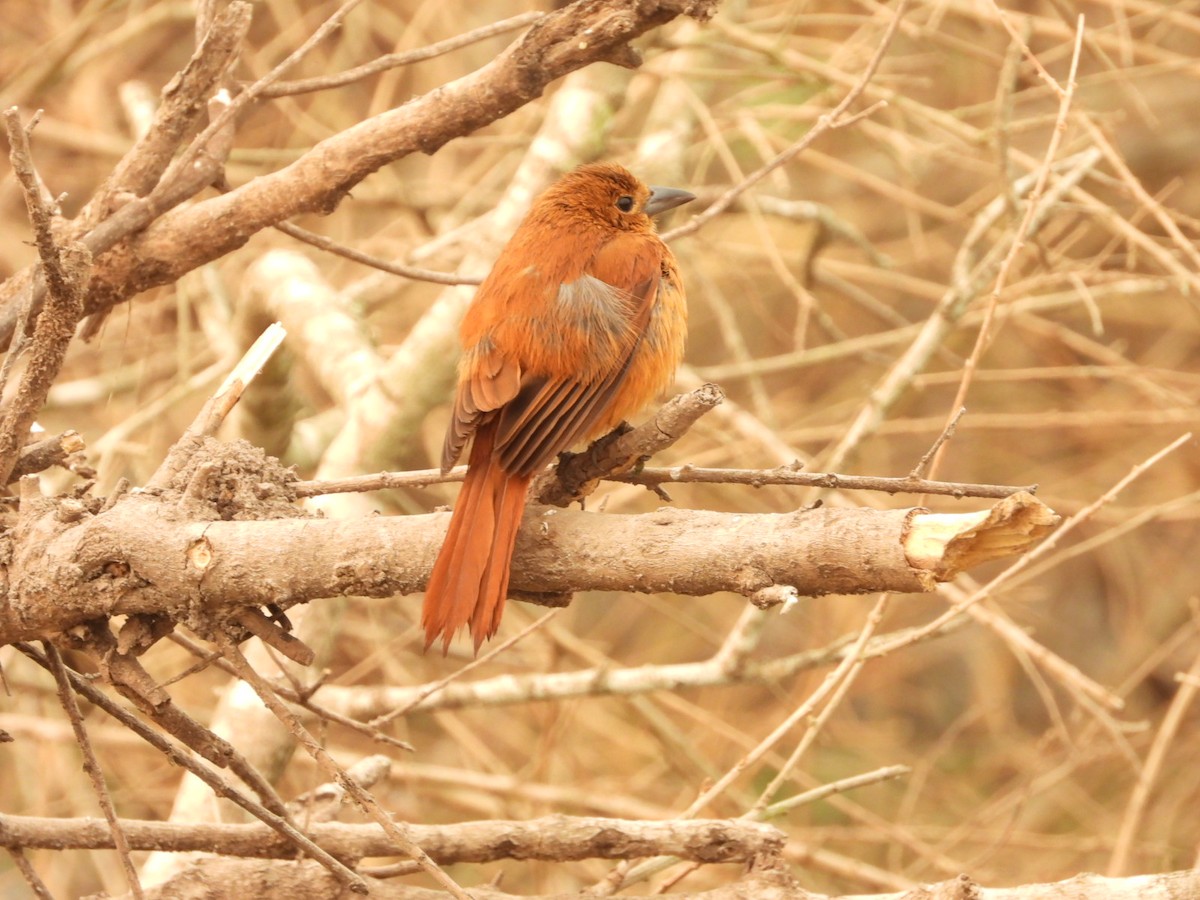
(596, 307)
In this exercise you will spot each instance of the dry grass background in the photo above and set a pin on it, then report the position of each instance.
(1092, 367)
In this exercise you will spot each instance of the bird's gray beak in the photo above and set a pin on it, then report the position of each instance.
(664, 198)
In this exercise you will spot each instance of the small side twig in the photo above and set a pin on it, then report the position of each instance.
(218, 406)
(804, 798)
(918, 471)
(274, 636)
(50, 451)
(91, 765)
(21, 861)
(415, 273)
(778, 808)
(431, 689)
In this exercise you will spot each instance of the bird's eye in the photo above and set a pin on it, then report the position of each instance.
(625, 203)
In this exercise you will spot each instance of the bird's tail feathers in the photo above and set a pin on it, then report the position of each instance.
(469, 581)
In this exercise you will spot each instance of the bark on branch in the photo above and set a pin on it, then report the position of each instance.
(225, 536)
(556, 838)
(767, 879)
(234, 879)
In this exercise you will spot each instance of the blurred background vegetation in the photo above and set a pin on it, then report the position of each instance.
(798, 312)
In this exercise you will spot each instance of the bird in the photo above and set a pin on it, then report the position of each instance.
(581, 322)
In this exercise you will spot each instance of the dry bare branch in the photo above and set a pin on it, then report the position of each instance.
(68, 270)
(559, 838)
(791, 474)
(200, 769)
(142, 556)
(186, 238)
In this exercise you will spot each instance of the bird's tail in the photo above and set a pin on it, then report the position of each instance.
(469, 582)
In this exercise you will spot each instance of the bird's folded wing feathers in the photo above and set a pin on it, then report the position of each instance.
(541, 416)
(496, 380)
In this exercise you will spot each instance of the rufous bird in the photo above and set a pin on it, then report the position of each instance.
(581, 322)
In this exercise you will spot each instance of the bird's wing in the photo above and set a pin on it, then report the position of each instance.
(550, 413)
(495, 380)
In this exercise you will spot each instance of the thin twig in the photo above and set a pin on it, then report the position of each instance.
(218, 40)
(1053, 540)
(1022, 643)
(301, 698)
(394, 60)
(624, 875)
(21, 861)
(826, 122)
(918, 471)
(133, 682)
(225, 119)
(779, 807)
(841, 786)
(853, 658)
(431, 689)
(219, 786)
(817, 723)
(788, 475)
(147, 164)
(219, 405)
(362, 797)
(965, 284)
(415, 273)
(91, 766)
(984, 338)
(1152, 768)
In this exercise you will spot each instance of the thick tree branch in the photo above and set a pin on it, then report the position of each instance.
(230, 879)
(586, 32)
(557, 838)
(184, 101)
(67, 268)
(164, 553)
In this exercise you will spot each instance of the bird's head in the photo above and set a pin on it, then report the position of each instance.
(609, 195)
